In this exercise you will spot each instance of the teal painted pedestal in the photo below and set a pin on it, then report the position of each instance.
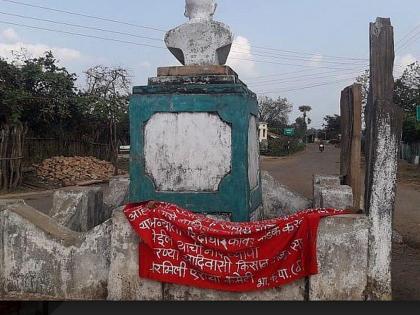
(196, 145)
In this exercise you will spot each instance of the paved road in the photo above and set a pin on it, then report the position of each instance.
(296, 172)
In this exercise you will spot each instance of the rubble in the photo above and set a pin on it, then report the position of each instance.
(71, 171)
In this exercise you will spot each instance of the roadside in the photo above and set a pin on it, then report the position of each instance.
(296, 172)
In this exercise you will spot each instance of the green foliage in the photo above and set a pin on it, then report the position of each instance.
(406, 95)
(332, 126)
(38, 93)
(42, 95)
(407, 89)
(411, 129)
(275, 112)
(278, 147)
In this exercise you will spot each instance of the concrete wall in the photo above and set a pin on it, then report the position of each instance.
(41, 259)
(79, 209)
(124, 283)
(279, 200)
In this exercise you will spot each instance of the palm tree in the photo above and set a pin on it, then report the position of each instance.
(305, 110)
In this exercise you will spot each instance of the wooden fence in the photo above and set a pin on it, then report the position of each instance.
(38, 149)
(409, 151)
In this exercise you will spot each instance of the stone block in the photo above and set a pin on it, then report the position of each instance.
(44, 260)
(338, 197)
(79, 209)
(292, 292)
(181, 71)
(118, 194)
(124, 283)
(197, 79)
(278, 200)
(342, 259)
(320, 181)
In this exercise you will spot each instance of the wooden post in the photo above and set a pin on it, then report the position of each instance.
(351, 129)
(384, 124)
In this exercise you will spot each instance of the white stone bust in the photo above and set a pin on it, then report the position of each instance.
(200, 10)
(200, 41)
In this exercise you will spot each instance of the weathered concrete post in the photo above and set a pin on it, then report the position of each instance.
(383, 122)
(351, 130)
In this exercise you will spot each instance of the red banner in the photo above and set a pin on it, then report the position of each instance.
(184, 248)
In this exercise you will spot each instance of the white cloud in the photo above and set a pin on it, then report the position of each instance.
(9, 35)
(12, 44)
(401, 62)
(240, 57)
(316, 60)
(145, 64)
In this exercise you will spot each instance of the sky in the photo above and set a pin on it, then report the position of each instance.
(304, 50)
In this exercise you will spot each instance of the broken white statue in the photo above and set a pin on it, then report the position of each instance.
(200, 41)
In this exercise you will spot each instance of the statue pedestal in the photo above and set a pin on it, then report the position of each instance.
(194, 142)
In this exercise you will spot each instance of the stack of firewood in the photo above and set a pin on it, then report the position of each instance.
(76, 170)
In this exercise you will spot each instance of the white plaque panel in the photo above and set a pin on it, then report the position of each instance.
(187, 152)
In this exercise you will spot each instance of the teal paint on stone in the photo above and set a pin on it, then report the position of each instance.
(235, 104)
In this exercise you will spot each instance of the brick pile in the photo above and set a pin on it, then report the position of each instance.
(70, 171)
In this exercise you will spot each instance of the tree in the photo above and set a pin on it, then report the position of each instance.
(407, 89)
(305, 110)
(36, 94)
(332, 126)
(364, 81)
(107, 98)
(275, 112)
(305, 119)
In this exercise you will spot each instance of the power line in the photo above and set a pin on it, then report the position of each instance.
(139, 36)
(302, 76)
(82, 35)
(297, 58)
(278, 74)
(161, 30)
(84, 15)
(406, 35)
(305, 87)
(302, 81)
(409, 41)
(81, 26)
(146, 37)
(148, 45)
(308, 54)
(287, 64)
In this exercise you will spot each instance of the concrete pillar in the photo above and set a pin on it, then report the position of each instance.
(342, 250)
(337, 197)
(351, 130)
(321, 181)
(383, 126)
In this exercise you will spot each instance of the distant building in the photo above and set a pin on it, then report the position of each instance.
(263, 131)
(263, 136)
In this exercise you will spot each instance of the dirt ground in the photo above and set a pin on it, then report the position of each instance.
(296, 172)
